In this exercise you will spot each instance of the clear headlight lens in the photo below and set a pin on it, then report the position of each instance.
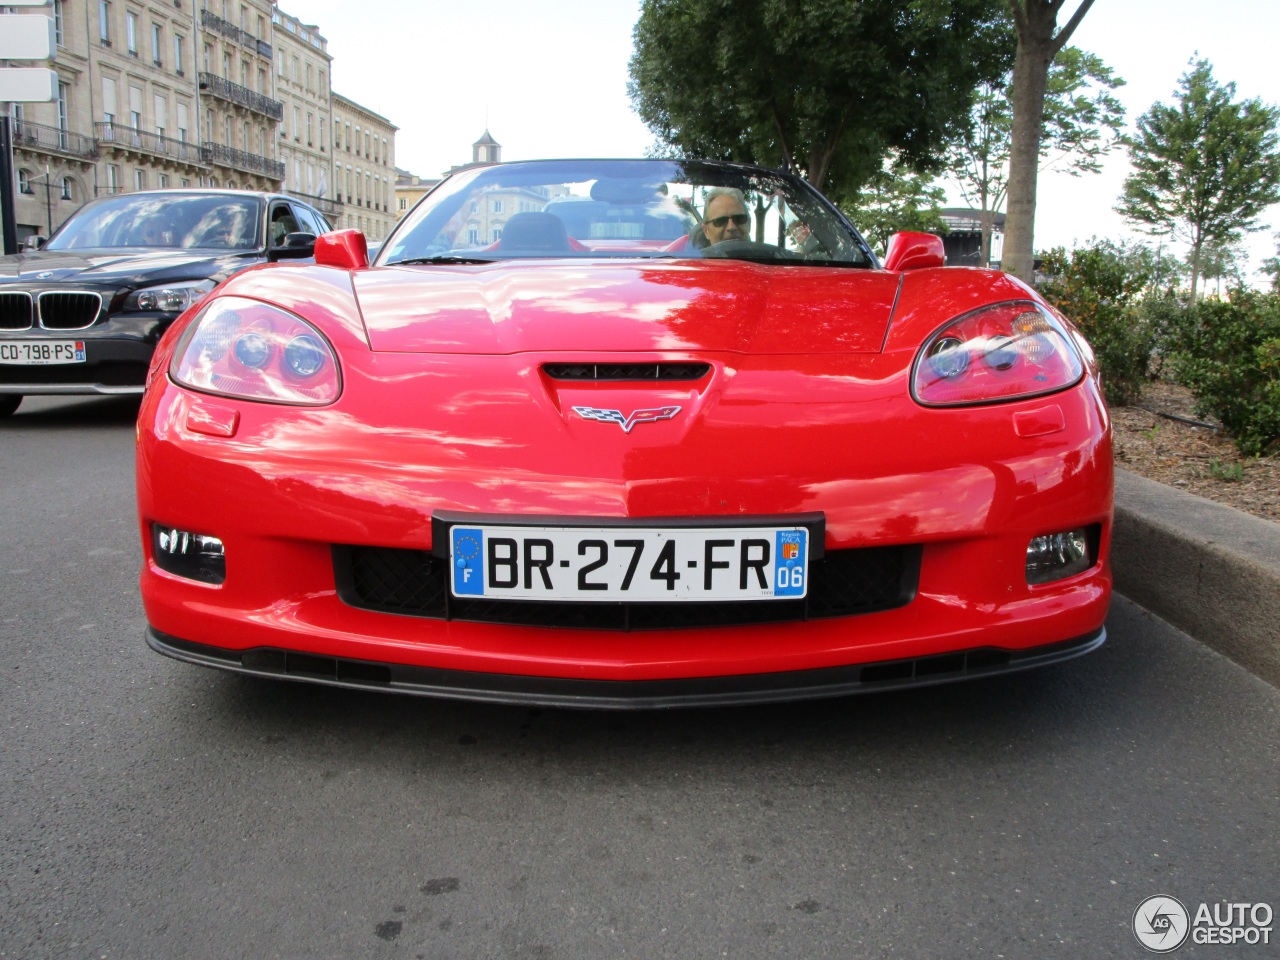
(1003, 352)
(170, 298)
(242, 348)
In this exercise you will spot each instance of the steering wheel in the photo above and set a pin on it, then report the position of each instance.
(746, 250)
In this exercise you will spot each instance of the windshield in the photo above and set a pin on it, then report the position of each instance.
(625, 208)
(178, 220)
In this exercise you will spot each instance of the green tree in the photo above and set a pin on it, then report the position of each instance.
(894, 199)
(1039, 41)
(1222, 262)
(1271, 266)
(1099, 287)
(1204, 169)
(828, 88)
(1082, 123)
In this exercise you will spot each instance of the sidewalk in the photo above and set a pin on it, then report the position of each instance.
(1208, 569)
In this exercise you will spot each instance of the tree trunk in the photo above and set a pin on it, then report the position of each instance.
(1030, 72)
(1037, 46)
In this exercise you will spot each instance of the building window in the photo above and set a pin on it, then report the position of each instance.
(403, 204)
(131, 33)
(155, 45)
(64, 92)
(177, 54)
(113, 178)
(497, 206)
(139, 180)
(57, 23)
(24, 181)
(67, 192)
(108, 100)
(164, 180)
(104, 22)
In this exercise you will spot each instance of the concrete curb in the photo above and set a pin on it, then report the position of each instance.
(1208, 569)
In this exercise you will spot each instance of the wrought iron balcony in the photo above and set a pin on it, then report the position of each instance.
(217, 153)
(143, 141)
(211, 21)
(243, 96)
(38, 136)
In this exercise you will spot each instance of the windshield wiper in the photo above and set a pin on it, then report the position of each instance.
(440, 259)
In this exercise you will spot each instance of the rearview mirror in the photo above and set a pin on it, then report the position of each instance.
(914, 251)
(346, 249)
(294, 246)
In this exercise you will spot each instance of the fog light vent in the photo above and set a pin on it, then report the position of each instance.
(1059, 555)
(195, 556)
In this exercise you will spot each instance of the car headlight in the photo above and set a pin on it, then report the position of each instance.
(170, 298)
(1008, 351)
(242, 348)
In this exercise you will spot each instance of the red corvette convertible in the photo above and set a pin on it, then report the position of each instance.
(624, 433)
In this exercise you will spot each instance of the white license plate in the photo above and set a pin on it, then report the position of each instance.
(629, 563)
(40, 352)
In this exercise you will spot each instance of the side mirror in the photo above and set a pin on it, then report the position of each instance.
(345, 249)
(294, 246)
(34, 242)
(914, 251)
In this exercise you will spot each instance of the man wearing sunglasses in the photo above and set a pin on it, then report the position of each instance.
(725, 216)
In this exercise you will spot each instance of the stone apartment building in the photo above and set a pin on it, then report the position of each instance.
(364, 168)
(190, 93)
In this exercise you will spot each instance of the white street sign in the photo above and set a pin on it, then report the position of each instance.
(24, 37)
(28, 84)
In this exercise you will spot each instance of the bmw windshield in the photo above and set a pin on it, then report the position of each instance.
(163, 220)
(625, 208)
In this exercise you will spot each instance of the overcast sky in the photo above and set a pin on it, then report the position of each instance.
(548, 78)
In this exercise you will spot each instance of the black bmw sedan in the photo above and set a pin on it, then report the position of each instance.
(82, 313)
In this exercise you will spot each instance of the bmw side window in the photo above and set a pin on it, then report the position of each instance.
(309, 221)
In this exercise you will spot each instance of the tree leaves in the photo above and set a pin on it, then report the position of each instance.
(828, 88)
(1204, 168)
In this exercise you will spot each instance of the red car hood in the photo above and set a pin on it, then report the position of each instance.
(558, 305)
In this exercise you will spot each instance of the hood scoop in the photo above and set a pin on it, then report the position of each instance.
(626, 372)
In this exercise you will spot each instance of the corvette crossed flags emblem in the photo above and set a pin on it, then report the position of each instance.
(626, 423)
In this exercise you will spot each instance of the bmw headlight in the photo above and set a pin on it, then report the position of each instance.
(169, 298)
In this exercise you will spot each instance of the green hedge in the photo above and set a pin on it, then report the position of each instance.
(1099, 288)
(1228, 353)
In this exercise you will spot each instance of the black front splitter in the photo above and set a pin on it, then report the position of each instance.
(625, 694)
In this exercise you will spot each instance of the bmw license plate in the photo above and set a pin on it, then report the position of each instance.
(40, 352)
(629, 563)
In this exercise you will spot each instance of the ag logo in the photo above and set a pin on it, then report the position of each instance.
(626, 423)
(1161, 924)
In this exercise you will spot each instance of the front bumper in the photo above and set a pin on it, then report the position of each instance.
(626, 695)
(117, 355)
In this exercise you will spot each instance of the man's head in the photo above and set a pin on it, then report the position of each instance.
(725, 216)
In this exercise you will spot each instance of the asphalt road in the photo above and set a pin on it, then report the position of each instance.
(153, 809)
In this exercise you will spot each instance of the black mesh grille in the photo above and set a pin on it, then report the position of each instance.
(15, 311)
(627, 371)
(414, 583)
(69, 311)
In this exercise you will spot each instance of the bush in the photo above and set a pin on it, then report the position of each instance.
(1098, 288)
(1228, 353)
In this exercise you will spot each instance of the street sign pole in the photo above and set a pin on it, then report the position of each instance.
(7, 215)
(22, 38)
